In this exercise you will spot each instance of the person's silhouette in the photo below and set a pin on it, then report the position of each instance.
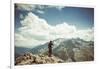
(50, 48)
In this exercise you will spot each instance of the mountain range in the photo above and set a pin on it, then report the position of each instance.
(69, 50)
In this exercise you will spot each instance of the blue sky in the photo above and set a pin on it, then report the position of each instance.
(82, 18)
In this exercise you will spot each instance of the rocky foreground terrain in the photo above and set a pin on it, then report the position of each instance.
(29, 58)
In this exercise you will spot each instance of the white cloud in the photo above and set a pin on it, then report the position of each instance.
(30, 7)
(37, 8)
(41, 12)
(21, 16)
(36, 31)
(25, 7)
(60, 7)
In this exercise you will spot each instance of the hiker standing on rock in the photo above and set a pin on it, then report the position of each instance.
(50, 49)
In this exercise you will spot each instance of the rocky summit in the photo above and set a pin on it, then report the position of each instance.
(29, 58)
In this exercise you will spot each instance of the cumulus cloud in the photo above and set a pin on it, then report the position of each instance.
(30, 7)
(35, 31)
(37, 8)
(41, 12)
(26, 7)
(60, 7)
(21, 16)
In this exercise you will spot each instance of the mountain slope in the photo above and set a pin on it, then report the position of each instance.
(69, 49)
(20, 50)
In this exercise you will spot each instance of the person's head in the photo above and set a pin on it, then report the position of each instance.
(50, 41)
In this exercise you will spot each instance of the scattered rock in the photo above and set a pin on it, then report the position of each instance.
(29, 58)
